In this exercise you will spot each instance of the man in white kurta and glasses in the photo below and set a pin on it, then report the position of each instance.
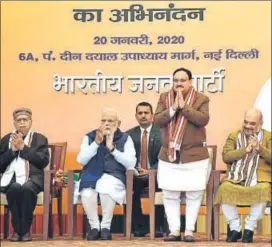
(105, 153)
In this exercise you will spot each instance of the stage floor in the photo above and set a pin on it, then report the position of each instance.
(118, 240)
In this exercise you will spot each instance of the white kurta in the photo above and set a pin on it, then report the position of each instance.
(109, 184)
(192, 176)
(17, 166)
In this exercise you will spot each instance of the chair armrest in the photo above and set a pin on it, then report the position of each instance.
(48, 175)
(70, 182)
(216, 179)
(152, 183)
(47, 186)
(152, 177)
(217, 173)
(129, 175)
(70, 186)
(152, 172)
(129, 182)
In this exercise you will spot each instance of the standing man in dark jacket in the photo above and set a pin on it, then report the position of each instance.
(147, 142)
(23, 156)
(182, 114)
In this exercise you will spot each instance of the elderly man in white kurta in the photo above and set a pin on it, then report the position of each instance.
(105, 153)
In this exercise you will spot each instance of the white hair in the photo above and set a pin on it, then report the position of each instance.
(112, 110)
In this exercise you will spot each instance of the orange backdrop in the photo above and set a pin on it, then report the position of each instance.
(39, 27)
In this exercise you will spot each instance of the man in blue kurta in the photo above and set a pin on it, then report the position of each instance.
(105, 153)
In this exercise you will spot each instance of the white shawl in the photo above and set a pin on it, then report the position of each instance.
(244, 171)
(19, 166)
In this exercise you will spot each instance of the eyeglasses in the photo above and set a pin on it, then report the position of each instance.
(24, 120)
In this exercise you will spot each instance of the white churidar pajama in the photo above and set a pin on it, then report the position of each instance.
(233, 219)
(109, 188)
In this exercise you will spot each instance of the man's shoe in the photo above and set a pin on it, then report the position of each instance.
(233, 236)
(247, 236)
(26, 237)
(93, 234)
(140, 233)
(171, 238)
(15, 237)
(105, 234)
(189, 239)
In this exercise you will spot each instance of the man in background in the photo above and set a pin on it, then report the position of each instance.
(147, 142)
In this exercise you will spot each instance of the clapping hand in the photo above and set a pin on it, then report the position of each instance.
(109, 140)
(254, 142)
(99, 135)
(17, 142)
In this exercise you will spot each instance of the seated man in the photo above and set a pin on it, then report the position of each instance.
(23, 156)
(105, 153)
(147, 142)
(247, 152)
